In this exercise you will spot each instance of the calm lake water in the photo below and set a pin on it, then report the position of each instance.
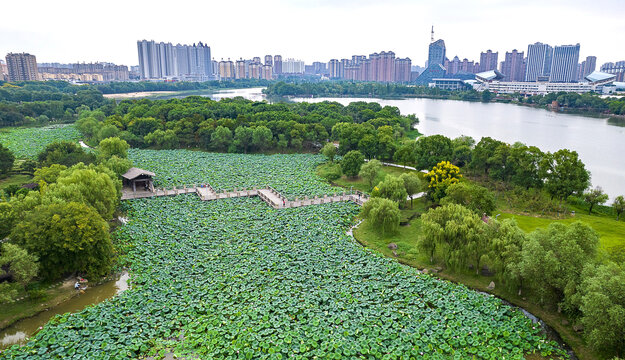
(599, 144)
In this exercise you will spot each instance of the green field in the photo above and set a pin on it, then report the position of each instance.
(28, 142)
(236, 279)
(612, 232)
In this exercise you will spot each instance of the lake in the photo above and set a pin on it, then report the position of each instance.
(600, 145)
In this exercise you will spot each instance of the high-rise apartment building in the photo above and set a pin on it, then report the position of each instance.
(226, 70)
(239, 68)
(386, 67)
(254, 70)
(4, 71)
(617, 69)
(319, 67)
(269, 60)
(587, 66)
(488, 60)
(564, 63)
(256, 59)
(513, 66)
(402, 70)
(292, 66)
(266, 72)
(22, 67)
(538, 61)
(277, 64)
(334, 68)
(164, 60)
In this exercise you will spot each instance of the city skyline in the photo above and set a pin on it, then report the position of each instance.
(298, 29)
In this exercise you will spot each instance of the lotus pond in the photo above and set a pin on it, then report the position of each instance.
(29, 142)
(236, 279)
(292, 175)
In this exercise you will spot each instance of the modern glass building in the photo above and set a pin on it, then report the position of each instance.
(538, 61)
(564, 63)
(436, 53)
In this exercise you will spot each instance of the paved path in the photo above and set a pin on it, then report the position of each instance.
(268, 194)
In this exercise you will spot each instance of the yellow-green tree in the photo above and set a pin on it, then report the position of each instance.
(442, 176)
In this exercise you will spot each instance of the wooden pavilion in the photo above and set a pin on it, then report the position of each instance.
(135, 177)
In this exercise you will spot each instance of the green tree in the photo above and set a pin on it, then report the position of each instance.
(525, 162)
(474, 197)
(243, 138)
(67, 237)
(262, 138)
(329, 151)
(619, 206)
(118, 165)
(382, 213)
(162, 139)
(594, 197)
(88, 126)
(86, 186)
(506, 242)
(6, 160)
(107, 131)
(483, 153)
(602, 304)
(351, 163)
(391, 188)
(7, 218)
(565, 173)
(487, 96)
(221, 138)
(49, 174)
(64, 153)
(113, 146)
(431, 150)
(552, 260)
(412, 184)
(457, 231)
(403, 155)
(16, 263)
(370, 171)
(441, 177)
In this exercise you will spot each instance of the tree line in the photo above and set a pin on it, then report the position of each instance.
(239, 125)
(586, 102)
(61, 226)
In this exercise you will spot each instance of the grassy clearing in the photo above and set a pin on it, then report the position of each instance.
(612, 232)
(17, 179)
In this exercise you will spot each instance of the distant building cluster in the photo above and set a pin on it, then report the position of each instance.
(379, 67)
(84, 72)
(545, 69)
(176, 62)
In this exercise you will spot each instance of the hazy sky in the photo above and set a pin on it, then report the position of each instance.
(82, 30)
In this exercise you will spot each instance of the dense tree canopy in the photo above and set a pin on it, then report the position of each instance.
(67, 237)
(6, 160)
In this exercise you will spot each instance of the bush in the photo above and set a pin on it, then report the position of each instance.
(330, 172)
(38, 295)
(474, 197)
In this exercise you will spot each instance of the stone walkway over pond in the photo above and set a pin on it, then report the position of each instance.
(268, 194)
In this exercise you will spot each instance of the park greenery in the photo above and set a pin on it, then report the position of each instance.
(587, 102)
(283, 282)
(62, 226)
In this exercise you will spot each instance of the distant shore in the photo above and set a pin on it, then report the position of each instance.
(140, 94)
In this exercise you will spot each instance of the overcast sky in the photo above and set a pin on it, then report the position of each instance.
(82, 30)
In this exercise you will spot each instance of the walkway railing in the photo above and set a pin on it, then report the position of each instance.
(268, 194)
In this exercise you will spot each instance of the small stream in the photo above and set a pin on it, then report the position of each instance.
(21, 331)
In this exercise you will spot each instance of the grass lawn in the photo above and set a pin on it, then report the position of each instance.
(612, 232)
(15, 180)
